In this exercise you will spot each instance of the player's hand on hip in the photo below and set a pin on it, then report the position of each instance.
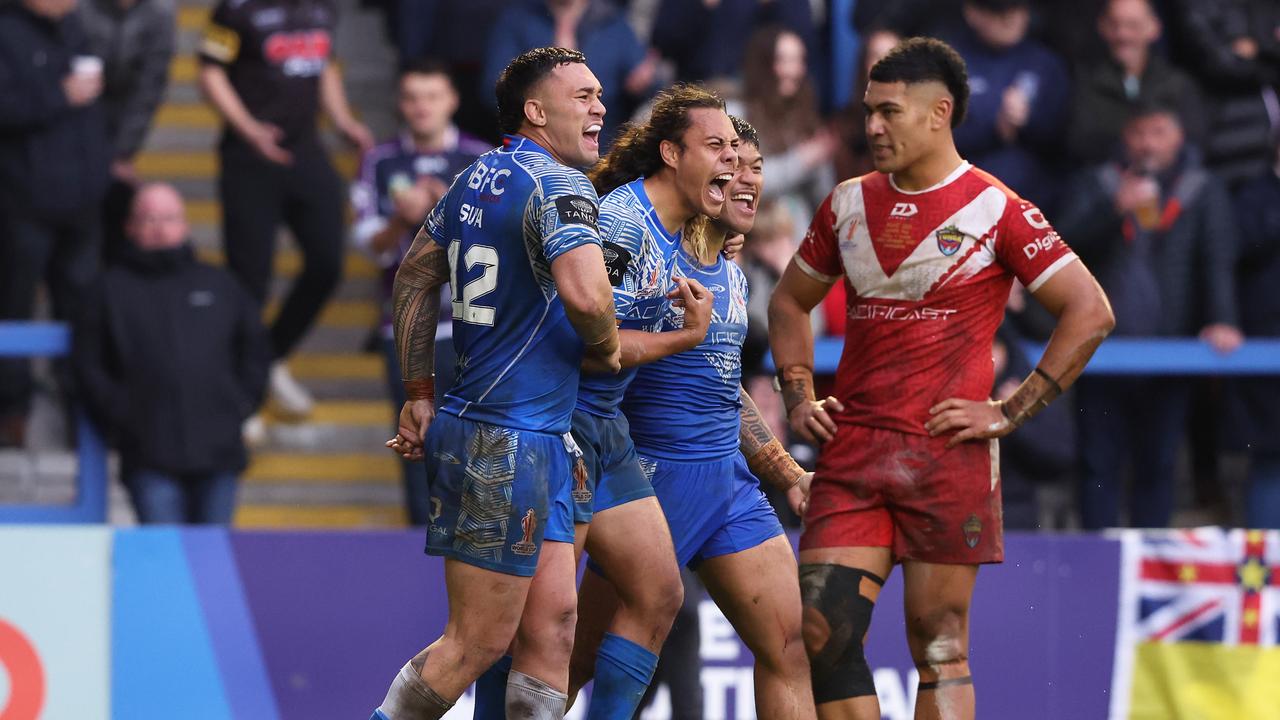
(697, 302)
(812, 421)
(798, 494)
(411, 433)
(968, 419)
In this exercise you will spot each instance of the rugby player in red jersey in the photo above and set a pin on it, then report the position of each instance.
(928, 248)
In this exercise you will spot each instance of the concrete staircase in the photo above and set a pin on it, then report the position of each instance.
(331, 470)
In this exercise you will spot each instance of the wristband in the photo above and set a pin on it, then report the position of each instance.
(775, 465)
(420, 388)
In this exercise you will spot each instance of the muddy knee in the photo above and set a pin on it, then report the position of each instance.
(939, 647)
(837, 613)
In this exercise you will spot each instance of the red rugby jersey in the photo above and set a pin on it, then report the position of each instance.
(927, 276)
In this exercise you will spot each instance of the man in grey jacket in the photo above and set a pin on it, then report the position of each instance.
(1159, 229)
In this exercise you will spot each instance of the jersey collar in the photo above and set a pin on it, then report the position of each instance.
(637, 187)
(512, 143)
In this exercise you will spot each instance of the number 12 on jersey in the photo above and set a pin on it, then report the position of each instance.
(464, 297)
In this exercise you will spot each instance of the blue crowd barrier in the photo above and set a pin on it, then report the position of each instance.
(21, 339)
(1128, 356)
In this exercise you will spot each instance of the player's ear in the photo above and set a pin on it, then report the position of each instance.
(670, 153)
(940, 117)
(534, 113)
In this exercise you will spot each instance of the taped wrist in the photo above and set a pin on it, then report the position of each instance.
(1033, 395)
(796, 384)
(836, 619)
(420, 388)
(773, 464)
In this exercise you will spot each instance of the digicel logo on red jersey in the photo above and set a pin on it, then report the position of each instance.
(307, 45)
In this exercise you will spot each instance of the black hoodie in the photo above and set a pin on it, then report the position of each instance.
(171, 357)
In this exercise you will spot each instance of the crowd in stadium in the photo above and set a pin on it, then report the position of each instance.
(1145, 129)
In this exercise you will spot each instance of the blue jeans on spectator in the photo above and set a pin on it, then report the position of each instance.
(1137, 420)
(417, 499)
(1262, 506)
(177, 499)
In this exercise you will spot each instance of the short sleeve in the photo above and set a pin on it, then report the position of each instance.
(819, 253)
(1029, 247)
(622, 239)
(434, 225)
(568, 214)
(220, 43)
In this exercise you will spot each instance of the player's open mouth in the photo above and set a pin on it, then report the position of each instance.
(592, 134)
(715, 190)
(744, 201)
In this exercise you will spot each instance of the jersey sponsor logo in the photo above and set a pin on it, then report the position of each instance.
(949, 239)
(1035, 218)
(577, 210)
(471, 215)
(904, 210)
(490, 183)
(282, 47)
(891, 312)
(616, 260)
(1044, 244)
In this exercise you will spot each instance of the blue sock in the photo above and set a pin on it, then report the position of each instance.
(623, 672)
(491, 691)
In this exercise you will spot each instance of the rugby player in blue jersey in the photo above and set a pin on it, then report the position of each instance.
(702, 444)
(516, 237)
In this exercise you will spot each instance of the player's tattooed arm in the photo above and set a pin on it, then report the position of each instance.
(766, 457)
(416, 312)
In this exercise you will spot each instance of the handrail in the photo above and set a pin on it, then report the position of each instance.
(35, 339)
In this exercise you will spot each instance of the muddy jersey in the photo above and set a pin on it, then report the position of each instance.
(927, 275)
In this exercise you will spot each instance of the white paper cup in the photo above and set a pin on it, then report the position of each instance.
(86, 65)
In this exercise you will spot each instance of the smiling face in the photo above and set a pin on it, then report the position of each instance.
(703, 161)
(744, 190)
(904, 121)
(566, 106)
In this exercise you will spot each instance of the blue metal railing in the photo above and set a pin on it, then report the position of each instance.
(90, 505)
(1129, 356)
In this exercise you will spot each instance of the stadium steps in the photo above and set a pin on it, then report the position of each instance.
(331, 470)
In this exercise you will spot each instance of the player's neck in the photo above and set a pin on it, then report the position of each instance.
(928, 171)
(673, 211)
(432, 142)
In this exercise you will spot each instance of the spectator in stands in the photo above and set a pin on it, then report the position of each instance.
(1132, 73)
(1020, 90)
(704, 37)
(1157, 230)
(779, 98)
(429, 29)
(400, 181)
(1042, 452)
(852, 154)
(53, 172)
(135, 39)
(1257, 209)
(266, 67)
(599, 29)
(172, 357)
(1233, 48)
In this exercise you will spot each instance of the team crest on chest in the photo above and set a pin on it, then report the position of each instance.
(949, 240)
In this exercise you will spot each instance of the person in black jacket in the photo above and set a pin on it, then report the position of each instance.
(53, 172)
(1159, 229)
(172, 357)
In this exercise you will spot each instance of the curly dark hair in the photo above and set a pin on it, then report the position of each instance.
(521, 76)
(636, 150)
(921, 59)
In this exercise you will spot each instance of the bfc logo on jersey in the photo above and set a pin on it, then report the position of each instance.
(904, 210)
(489, 182)
(949, 240)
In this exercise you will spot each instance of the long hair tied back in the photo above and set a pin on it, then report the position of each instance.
(636, 152)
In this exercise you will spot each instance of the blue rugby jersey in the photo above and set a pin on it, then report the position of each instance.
(685, 407)
(504, 220)
(638, 253)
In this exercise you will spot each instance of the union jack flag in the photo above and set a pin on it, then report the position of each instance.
(1209, 585)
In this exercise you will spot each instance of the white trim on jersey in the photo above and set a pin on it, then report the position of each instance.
(1050, 271)
(808, 269)
(950, 178)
